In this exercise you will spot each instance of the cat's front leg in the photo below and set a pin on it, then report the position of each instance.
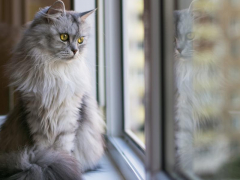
(89, 143)
(61, 141)
(65, 142)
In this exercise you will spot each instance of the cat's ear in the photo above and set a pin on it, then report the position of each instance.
(198, 14)
(57, 8)
(84, 15)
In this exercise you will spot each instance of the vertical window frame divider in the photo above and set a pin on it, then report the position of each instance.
(159, 124)
(153, 88)
(169, 157)
(113, 58)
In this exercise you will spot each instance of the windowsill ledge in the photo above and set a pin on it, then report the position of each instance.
(107, 171)
(131, 165)
(2, 119)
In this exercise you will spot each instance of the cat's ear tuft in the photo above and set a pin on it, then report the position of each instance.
(57, 8)
(197, 14)
(84, 15)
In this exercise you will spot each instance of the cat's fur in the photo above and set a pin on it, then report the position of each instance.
(55, 130)
(185, 122)
(193, 98)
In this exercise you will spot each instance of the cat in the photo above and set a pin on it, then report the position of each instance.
(183, 62)
(55, 131)
(199, 106)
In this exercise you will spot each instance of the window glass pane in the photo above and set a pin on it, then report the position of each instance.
(133, 35)
(207, 76)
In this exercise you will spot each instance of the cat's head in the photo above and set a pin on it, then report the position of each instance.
(61, 34)
(184, 35)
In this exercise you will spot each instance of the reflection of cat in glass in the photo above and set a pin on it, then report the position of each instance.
(183, 47)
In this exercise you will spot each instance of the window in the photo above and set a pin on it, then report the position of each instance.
(133, 69)
(125, 150)
(207, 96)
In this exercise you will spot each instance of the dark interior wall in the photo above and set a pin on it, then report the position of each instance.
(32, 6)
(13, 15)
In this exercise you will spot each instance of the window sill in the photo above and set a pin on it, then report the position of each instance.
(107, 171)
(126, 159)
(2, 119)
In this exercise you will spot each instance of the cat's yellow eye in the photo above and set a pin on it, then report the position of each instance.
(80, 40)
(64, 37)
(190, 36)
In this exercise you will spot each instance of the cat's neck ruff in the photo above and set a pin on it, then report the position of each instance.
(51, 89)
(43, 78)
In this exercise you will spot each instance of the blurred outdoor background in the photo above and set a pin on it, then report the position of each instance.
(134, 88)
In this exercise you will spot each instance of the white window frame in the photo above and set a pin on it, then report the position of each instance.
(158, 159)
(159, 126)
(157, 162)
(127, 156)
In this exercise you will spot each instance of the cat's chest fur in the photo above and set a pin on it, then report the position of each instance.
(184, 80)
(52, 96)
(56, 117)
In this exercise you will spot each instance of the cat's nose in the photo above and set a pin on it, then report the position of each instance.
(74, 51)
(179, 50)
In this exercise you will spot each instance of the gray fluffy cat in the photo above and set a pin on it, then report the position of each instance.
(55, 130)
(185, 122)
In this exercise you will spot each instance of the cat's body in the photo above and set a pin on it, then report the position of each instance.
(55, 112)
(185, 121)
(200, 84)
